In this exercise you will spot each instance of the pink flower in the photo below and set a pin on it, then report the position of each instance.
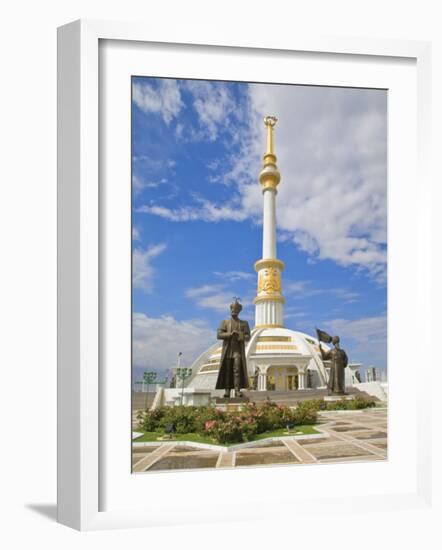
(209, 425)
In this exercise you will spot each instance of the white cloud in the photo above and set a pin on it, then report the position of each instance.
(157, 341)
(214, 297)
(367, 330)
(164, 99)
(205, 210)
(213, 164)
(135, 233)
(291, 312)
(235, 275)
(364, 339)
(143, 271)
(304, 289)
(215, 108)
(348, 296)
(138, 185)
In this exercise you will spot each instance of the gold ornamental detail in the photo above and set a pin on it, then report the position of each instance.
(269, 298)
(276, 346)
(269, 280)
(270, 176)
(274, 338)
(269, 262)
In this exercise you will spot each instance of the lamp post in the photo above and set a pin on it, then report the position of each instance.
(182, 373)
(149, 377)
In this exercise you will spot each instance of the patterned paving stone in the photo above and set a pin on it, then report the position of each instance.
(381, 443)
(272, 445)
(336, 450)
(185, 461)
(368, 435)
(145, 450)
(185, 449)
(306, 442)
(141, 452)
(267, 456)
(348, 428)
(226, 460)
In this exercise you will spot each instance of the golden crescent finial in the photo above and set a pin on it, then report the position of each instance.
(270, 122)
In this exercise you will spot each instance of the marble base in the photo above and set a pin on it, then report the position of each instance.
(231, 404)
(338, 397)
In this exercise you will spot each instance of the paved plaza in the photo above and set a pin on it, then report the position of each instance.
(347, 436)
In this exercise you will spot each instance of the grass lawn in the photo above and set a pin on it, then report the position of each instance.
(154, 436)
(157, 436)
(307, 429)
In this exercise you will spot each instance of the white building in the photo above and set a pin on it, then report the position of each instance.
(278, 358)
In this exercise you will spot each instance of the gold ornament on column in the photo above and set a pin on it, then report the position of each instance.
(269, 280)
(270, 176)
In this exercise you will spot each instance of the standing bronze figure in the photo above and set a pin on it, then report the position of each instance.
(233, 368)
(338, 362)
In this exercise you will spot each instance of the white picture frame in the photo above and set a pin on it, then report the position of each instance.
(80, 394)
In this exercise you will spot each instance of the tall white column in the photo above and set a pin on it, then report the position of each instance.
(301, 380)
(269, 224)
(269, 300)
(262, 381)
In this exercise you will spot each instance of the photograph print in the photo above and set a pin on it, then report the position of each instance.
(259, 274)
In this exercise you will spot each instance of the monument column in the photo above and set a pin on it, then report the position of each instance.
(269, 301)
(262, 380)
(301, 380)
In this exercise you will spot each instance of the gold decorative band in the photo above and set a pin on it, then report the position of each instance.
(268, 326)
(269, 262)
(269, 298)
(270, 185)
(276, 346)
(274, 338)
(270, 158)
(209, 368)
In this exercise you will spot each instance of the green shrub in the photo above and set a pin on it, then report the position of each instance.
(149, 420)
(232, 429)
(306, 412)
(272, 416)
(359, 402)
(183, 418)
(340, 405)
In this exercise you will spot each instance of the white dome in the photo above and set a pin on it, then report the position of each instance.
(280, 341)
(271, 346)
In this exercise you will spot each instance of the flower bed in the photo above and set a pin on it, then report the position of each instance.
(236, 427)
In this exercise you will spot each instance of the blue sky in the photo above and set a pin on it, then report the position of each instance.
(197, 207)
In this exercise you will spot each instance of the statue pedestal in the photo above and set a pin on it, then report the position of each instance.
(231, 404)
(338, 397)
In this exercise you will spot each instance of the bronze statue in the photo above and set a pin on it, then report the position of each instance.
(338, 362)
(233, 367)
